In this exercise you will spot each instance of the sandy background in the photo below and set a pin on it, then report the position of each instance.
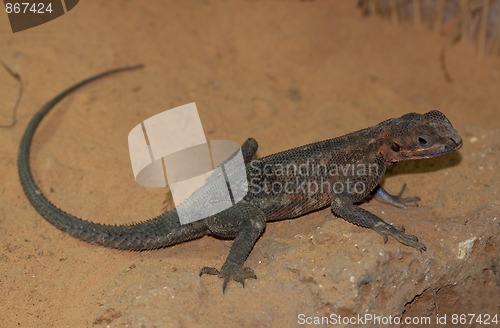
(286, 73)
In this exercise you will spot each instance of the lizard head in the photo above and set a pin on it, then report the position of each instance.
(415, 136)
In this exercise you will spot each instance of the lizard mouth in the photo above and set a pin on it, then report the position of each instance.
(452, 145)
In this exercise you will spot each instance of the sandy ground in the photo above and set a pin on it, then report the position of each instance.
(286, 73)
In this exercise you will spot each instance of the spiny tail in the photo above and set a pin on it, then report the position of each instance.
(157, 232)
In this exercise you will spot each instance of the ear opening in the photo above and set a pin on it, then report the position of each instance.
(395, 147)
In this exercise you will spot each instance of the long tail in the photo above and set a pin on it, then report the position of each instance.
(157, 232)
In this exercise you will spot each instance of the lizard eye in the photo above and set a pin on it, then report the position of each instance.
(395, 147)
(423, 141)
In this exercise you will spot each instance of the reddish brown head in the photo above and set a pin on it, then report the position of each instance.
(415, 136)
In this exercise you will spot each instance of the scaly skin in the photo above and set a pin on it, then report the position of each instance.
(284, 185)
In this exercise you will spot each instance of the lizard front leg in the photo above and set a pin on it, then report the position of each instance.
(361, 217)
(396, 200)
(245, 223)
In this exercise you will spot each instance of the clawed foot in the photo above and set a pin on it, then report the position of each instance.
(396, 200)
(230, 271)
(399, 201)
(398, 232)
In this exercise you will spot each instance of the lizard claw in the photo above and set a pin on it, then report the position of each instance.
(230, 271)
(398, 232)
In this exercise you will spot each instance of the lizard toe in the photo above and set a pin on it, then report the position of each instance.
(407, 201)
(410, 240)
(237, 273)
(400, 228)
(398, 232)
(230, 271)
(209, 270)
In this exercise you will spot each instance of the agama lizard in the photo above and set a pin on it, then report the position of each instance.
(338, 172)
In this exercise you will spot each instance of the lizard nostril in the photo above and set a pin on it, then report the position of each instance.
(457, 143)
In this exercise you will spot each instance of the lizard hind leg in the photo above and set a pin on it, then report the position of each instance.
(245, 223)
(362, 217)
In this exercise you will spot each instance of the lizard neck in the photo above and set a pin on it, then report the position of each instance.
(369, 143)
(378, 140)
